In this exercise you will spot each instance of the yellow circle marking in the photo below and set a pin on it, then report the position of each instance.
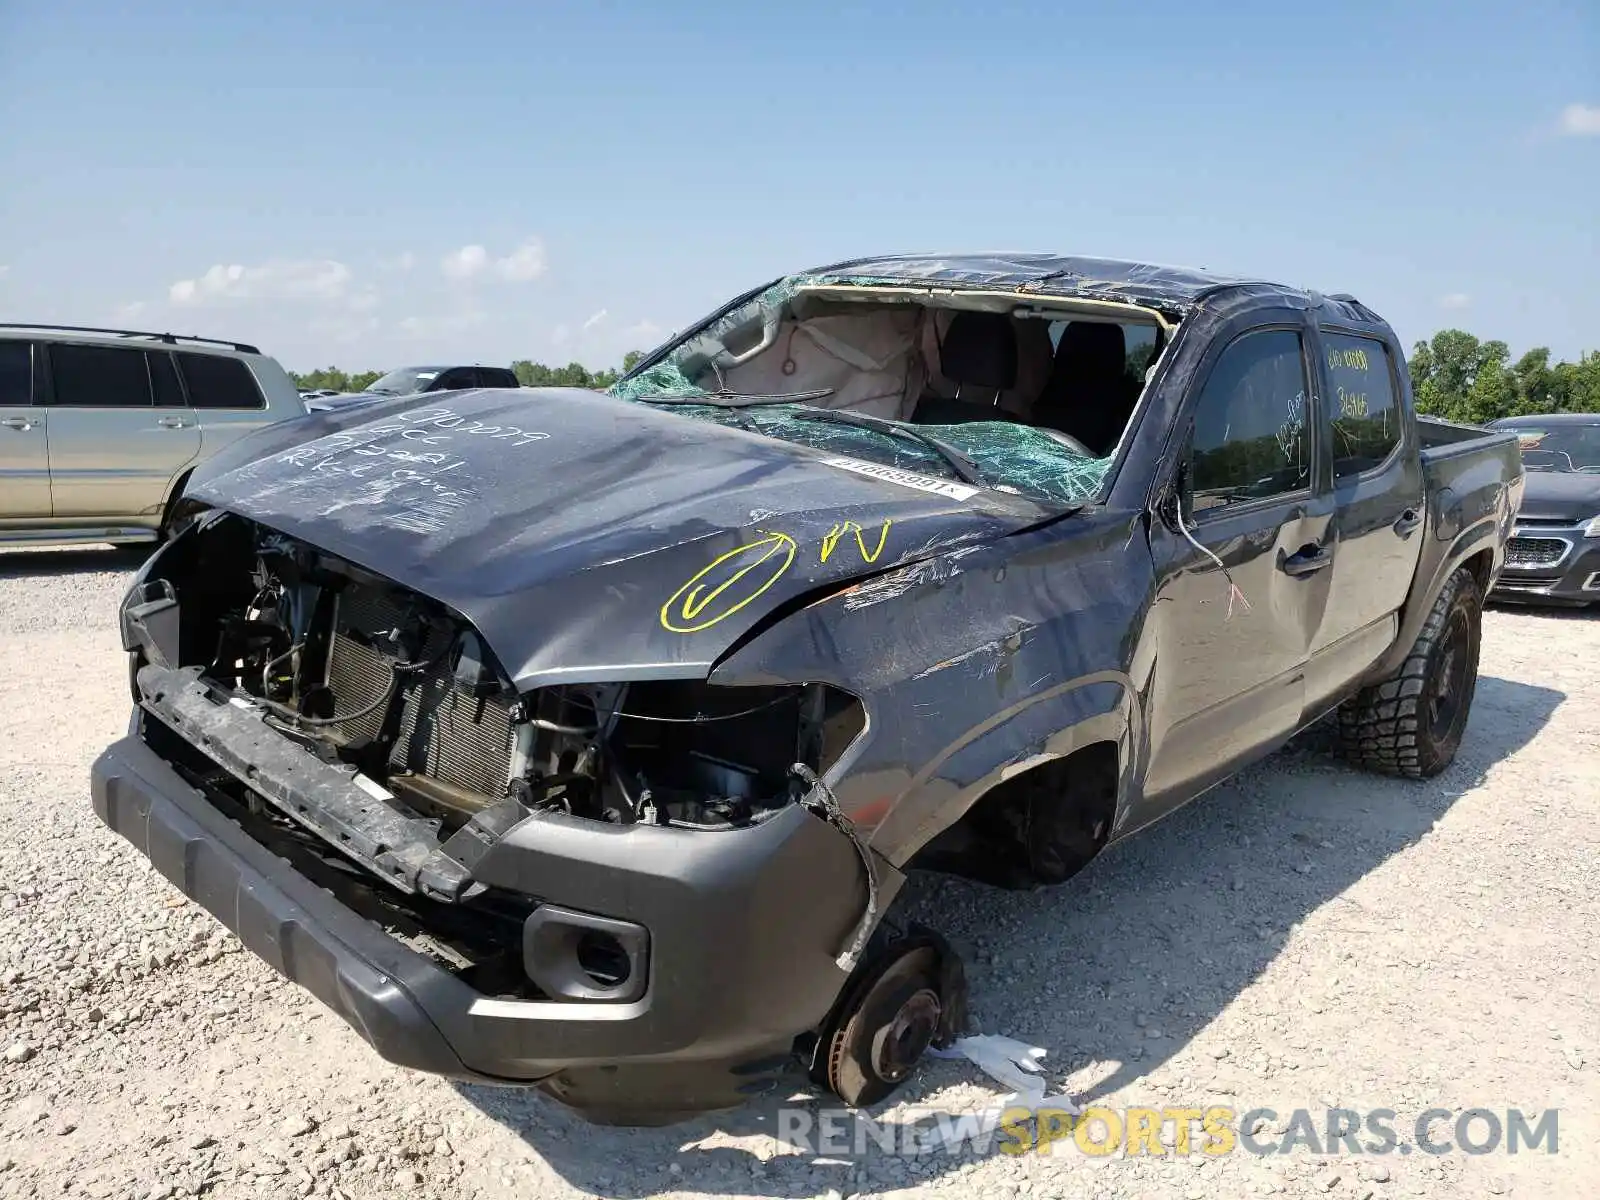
(684, 610)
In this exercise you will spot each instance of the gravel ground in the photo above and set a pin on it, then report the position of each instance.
(1303, 937)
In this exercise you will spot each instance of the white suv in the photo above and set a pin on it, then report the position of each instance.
(100, 428)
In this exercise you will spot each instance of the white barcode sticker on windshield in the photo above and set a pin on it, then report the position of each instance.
(910, 479)
(372, 787)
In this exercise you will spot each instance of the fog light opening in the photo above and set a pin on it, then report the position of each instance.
(572, 955)
(602, 959)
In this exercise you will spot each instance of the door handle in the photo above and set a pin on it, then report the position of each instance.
(1305, 561)
(1407, 522)
(22, 423)
(173, 423)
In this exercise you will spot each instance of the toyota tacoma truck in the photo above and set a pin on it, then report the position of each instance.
(585, 740)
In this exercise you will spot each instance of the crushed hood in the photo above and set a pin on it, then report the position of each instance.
(1560, 496)
(590, 538)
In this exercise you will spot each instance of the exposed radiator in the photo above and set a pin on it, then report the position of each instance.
(445, 732)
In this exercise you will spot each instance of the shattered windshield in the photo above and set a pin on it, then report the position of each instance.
(1560, 448)
(1008, 457)
(936, 390)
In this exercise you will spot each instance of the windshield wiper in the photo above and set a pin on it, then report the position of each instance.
(963, 467)
(727, 399)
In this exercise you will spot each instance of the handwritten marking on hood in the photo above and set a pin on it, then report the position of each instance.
(728, 583)
(444, 418)
(831, 539)
(734, 579)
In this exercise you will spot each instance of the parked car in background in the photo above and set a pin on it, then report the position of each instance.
(99, 428)
(407, 381)
(585, 739)
(1554, 553)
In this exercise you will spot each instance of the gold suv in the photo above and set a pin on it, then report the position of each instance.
(100, 428)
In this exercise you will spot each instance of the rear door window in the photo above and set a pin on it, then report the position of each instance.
(496, 377)
(99, 377)
(16, 374)
(217, 382)
(1251, 436)
(1361, 404)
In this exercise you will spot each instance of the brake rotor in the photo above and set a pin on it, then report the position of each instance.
(893, 1015)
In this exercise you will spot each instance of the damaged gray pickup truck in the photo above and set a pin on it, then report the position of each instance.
(584, 740)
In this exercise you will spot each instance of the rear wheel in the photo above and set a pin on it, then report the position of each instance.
(1411, 723)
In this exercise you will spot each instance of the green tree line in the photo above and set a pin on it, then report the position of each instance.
(335, 379)
(529, 374)
(1453, 374)
(532, 374)
(1457, 377)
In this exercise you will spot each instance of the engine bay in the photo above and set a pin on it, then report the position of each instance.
(402, 692)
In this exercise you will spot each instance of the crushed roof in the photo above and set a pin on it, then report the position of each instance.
(1048, 274)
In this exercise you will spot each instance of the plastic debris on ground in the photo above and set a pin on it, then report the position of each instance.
(1010, 1062)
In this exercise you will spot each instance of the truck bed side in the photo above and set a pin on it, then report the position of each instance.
(1473, 478)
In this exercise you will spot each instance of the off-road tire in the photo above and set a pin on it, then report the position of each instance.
(1397, 725)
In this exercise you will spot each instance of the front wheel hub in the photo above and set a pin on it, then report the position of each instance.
(901, 1000)
(898, 1046)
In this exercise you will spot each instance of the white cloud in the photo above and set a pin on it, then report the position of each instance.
(1456, 300)
(524, 263)
(465, 263)
(402, 262)
(309, 279)
(560, 335)
(4, 270)
(127, 312)
(1581, 120)
(593, 321)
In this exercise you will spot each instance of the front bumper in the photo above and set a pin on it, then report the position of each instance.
(744, 927)
(1550, 565)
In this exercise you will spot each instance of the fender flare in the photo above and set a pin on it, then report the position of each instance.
(1474, 540)
(1107, 710)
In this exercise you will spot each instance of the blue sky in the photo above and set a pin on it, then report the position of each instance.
(369, 184)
